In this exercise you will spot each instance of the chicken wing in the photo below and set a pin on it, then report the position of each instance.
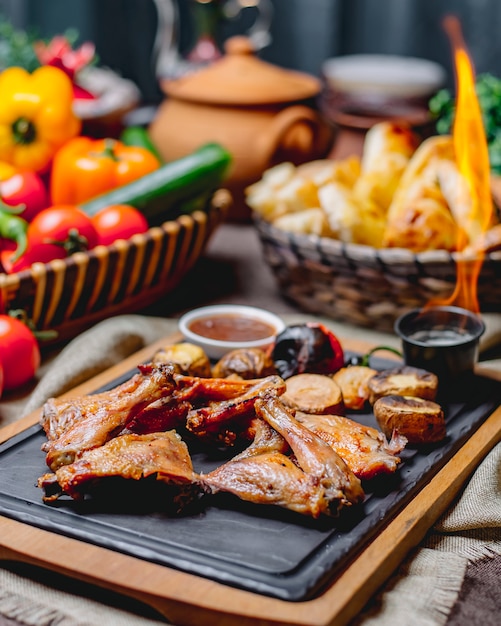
(364, 449)
(131, 457)
(265, 439)
(223, 421)
(190, 392)
(313, 482)
(213, 389)
(79, 424)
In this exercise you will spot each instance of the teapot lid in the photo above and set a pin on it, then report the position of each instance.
(240, 78)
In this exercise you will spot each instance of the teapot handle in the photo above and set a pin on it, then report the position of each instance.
(296, 133)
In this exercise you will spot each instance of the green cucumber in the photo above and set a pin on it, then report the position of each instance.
(162, 194)
(139, 136)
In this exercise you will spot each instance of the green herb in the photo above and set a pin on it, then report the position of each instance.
(16, 47)
(488, 88)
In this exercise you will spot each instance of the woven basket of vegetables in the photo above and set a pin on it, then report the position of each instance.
(93, 227)
(68, 295)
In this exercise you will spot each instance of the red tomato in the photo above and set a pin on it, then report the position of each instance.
(41, 253)
(19, 352)
(118, 221)
(62, 227)
(54, 233)
(1, 380)
(25, 188)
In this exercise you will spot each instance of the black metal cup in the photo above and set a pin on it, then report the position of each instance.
(441, 339)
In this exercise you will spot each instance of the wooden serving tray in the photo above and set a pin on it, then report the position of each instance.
(188, 599)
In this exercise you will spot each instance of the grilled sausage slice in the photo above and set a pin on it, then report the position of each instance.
(313, 393)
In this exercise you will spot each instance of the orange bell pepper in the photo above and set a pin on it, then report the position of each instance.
(36, 116)
(85, 168)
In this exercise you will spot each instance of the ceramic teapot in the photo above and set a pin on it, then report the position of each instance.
(261, 113)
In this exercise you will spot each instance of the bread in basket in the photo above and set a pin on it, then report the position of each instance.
(367, 238)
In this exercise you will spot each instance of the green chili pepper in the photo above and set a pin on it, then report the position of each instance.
(14, 228)
(366, 357)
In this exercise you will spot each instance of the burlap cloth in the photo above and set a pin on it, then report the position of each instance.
(451, 578)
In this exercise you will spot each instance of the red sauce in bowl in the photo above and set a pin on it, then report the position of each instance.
(232, 327)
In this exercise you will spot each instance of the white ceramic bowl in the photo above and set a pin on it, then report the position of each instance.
(381, 75)
(216, 348)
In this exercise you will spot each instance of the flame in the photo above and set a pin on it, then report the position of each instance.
(472, 157)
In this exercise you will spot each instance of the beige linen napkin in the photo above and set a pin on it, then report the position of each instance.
(422, 591)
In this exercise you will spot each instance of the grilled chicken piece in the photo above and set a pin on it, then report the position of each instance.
(313, 482)
(266, 439)
(224, 421)
(364, 449)
(131, 457)
(161, 415)
(190, 392)
(80, 424)
(215, 389)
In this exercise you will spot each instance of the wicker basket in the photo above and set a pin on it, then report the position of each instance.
(363, 285)
(70, 295)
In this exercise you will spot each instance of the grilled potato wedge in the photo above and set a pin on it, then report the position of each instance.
(354, 383)
(403, 381)
(246, 363)
(187, 358)
(417, 419)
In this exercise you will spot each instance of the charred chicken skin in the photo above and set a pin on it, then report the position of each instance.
(132, 457)
(73, 426)
(314, 481)
(217, 410)
(264, 439)
(364, 449)
(223, 421)
(172, 410)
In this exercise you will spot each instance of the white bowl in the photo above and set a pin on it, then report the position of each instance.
(216, 348)
(384, 75)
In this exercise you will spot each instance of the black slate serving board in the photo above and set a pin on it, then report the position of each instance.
(262, 549)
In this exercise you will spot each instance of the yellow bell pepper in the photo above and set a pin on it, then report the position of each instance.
(7, 170)
(36, 116)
